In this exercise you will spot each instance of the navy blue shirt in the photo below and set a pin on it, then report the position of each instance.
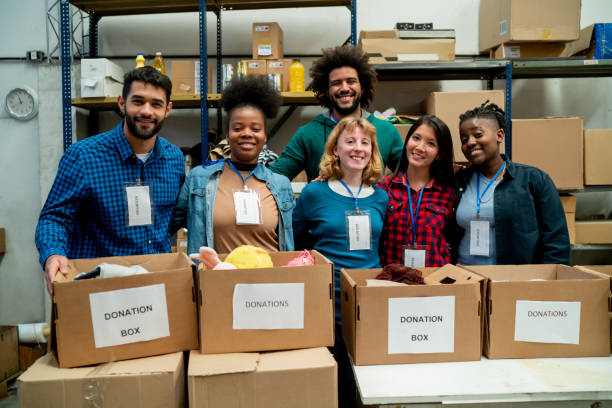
(85, 215)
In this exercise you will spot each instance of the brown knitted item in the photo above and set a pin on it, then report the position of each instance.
(402, 274)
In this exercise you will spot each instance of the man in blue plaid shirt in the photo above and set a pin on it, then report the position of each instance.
(114, 193)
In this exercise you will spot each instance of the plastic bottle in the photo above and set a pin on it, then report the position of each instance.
(140, 60)
(296, 76)
(158, 63)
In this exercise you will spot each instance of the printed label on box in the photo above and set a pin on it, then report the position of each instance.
(503, 27)
(129, 315)
(253, 65)
(421, 325)
(262, 28)
(268, 306)
(547, 322)
(276, 64)
(512, 51)
(264, 49)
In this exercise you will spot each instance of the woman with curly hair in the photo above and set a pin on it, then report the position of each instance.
(343, 81)
(507, 213)
(237, 201)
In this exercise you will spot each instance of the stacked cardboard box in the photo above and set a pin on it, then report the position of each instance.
(438, 321)
(386, 47)
(100, 78)
(526, 29)
(536, 311)
(145, 382)
(569, 208)
(186, 77)
(597, 154)
(269, 66)
(594, 232)
(267, 41)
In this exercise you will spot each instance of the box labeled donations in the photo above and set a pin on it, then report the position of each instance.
(100, 320)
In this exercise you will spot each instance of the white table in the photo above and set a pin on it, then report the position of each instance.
(488, 381)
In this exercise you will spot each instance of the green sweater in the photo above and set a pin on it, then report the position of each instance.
(305, 148)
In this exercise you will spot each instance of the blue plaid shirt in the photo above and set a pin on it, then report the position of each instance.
(85, 215)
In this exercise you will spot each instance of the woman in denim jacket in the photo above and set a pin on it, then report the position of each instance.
(238, 201)
(507, 213)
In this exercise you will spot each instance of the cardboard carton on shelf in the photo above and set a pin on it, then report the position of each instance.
(267, 41)
(255, 66)
(597, 154)
(438, 321)
(569, 208)
(594, 232)
(100, 320)
(280, 66)
(276, 308)
(529, 50)
(503, 21)
(554, 145)
(536, 311)
(449, 105)
(298, 378)
(100, 77)
(185, 77)
(9, 352)
(593, 42)
(145, 382)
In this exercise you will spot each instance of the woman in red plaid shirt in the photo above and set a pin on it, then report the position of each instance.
(421, 194)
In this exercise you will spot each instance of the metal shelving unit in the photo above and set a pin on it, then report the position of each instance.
(103, 8)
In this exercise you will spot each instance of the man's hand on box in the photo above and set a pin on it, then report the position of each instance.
(53, 264)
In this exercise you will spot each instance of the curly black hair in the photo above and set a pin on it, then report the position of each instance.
(486, 111)
(342, 56)
(252, 91)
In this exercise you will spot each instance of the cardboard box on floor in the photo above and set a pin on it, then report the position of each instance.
(413, 323)
(529, 50)
(449, 105)
(569, 208)
(185, 77)
(267, 41)
(100, 320)
(145, 382)
(597, 154)
(298, 378)
(536, 311)
(9, 352)
(502, 21)
(594, 232)
(263, 309)
(551, 144)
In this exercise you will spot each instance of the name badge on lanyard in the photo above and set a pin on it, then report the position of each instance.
(358, 225)
(479, 228)
(139, 208)
(247, 203)
(414, 254)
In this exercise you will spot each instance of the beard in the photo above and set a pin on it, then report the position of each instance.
(344, 111)
(141, 133)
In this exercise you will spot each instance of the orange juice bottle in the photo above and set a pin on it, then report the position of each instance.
(296, 76)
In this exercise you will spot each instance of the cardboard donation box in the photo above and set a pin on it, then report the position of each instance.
(304, 378)
(263, 309)
(145, 382)
(186, 77)
(9, 352)
(100, 320)
(100, 78)
(438, 321)
(267, 41)
(449, 105)
(597, 154)
(538, 311)
(502, 21)
(553, 145)
(569, 208)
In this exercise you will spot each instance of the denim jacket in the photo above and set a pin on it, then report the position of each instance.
(530, 225)
(196, 202)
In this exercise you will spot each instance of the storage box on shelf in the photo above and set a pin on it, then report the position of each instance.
(597, 157)
(386, 47)
(9, 352)
(569, 208)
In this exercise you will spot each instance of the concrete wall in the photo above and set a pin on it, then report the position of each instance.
(30, 150)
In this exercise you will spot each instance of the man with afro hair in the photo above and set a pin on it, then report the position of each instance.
(343, 80)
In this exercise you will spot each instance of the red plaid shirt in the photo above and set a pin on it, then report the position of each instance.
(436, 209)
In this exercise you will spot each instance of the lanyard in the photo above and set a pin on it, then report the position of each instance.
(414, 217)
(351, 193)
(333, 117)
(240, 175)
(478, 196)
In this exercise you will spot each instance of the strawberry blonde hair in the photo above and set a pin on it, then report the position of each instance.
(330, 166)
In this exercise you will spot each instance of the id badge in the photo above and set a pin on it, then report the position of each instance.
(414, 256)
(139, 209)
(359, 230)
(248, 207)
(479, 231)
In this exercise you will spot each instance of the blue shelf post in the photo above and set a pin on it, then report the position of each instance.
(353, 22)
(509, 109)
(203, 81)
(65, 37)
